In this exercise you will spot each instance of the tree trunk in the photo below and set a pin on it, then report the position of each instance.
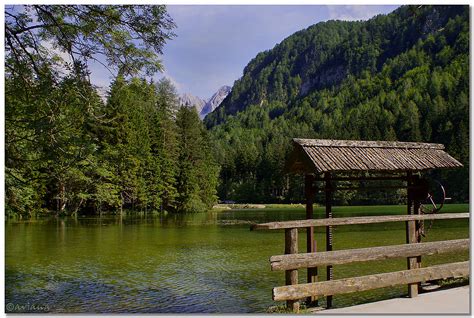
(61, 199)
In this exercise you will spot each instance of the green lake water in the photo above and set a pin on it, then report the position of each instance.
(197, 263)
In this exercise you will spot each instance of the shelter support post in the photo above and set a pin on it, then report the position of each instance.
(413, 234)
(329, 193)
(312, 273)
(291, 276)
(418, 226)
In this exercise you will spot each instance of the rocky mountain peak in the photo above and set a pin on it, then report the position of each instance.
(215, 100)
(203, 106)
(190, 100)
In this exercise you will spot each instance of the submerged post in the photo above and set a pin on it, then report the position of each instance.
(312, 273)
(291, 276)
(328, 190)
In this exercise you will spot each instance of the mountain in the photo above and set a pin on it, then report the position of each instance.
(402, 76)
(203, 106)
(215, 100)
(191, 100)
(324, 55)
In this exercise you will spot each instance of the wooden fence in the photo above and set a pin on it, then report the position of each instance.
(292, 260)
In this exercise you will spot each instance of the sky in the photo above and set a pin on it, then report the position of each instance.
(215, 42)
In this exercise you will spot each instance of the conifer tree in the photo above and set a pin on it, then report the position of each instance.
(165, 148)
(197, 173)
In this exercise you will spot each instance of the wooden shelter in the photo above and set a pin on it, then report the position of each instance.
(328, 161)
(321, 156)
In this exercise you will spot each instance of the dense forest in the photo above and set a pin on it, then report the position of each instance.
(66, 149)
(402, 76)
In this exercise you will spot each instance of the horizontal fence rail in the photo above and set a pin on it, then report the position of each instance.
(293, 261)
(356, 220)
(304, 260)
(362, 283)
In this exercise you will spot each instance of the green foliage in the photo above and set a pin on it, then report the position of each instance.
(159, 154)
(46, 140)
(140, 152)
(66, 150)
(130, 37)
(402, 76)
(197, 172)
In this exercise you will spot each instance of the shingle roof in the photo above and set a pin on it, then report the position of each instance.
(323, 155)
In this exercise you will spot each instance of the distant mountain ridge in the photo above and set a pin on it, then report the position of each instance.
(204, 106)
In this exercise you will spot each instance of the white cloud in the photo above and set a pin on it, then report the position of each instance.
(352, 12)
(179, 87)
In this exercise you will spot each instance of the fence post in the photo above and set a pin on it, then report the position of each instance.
(291, 276)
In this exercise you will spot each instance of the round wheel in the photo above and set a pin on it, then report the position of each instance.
(435, 198)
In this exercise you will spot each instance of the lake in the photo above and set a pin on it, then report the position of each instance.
(196, 263)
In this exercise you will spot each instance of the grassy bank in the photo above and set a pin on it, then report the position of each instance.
(372, 209)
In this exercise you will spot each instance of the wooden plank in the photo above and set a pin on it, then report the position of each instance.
(304, 260)
(328, 201)
(312, 273)
(340, 155)
(417, 236)
(357, 284)
(366, 144)
(373, 177)
(299, 162)
(291, 276)
(309, 194)
(369, 188)
(411, 234)
(356, 220)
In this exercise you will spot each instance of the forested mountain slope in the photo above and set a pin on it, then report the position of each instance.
(402, 76)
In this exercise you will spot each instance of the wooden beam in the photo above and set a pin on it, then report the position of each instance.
(328, 201)
(380, 178)
(417, 211)
(304, 260)
(312, 272)
(370, 188)
(356, 284)
(365, 144)
(357, 220)
(291, 276)
(411, 234)
(309, 194)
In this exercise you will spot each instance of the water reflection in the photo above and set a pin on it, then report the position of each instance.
(167, 263)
